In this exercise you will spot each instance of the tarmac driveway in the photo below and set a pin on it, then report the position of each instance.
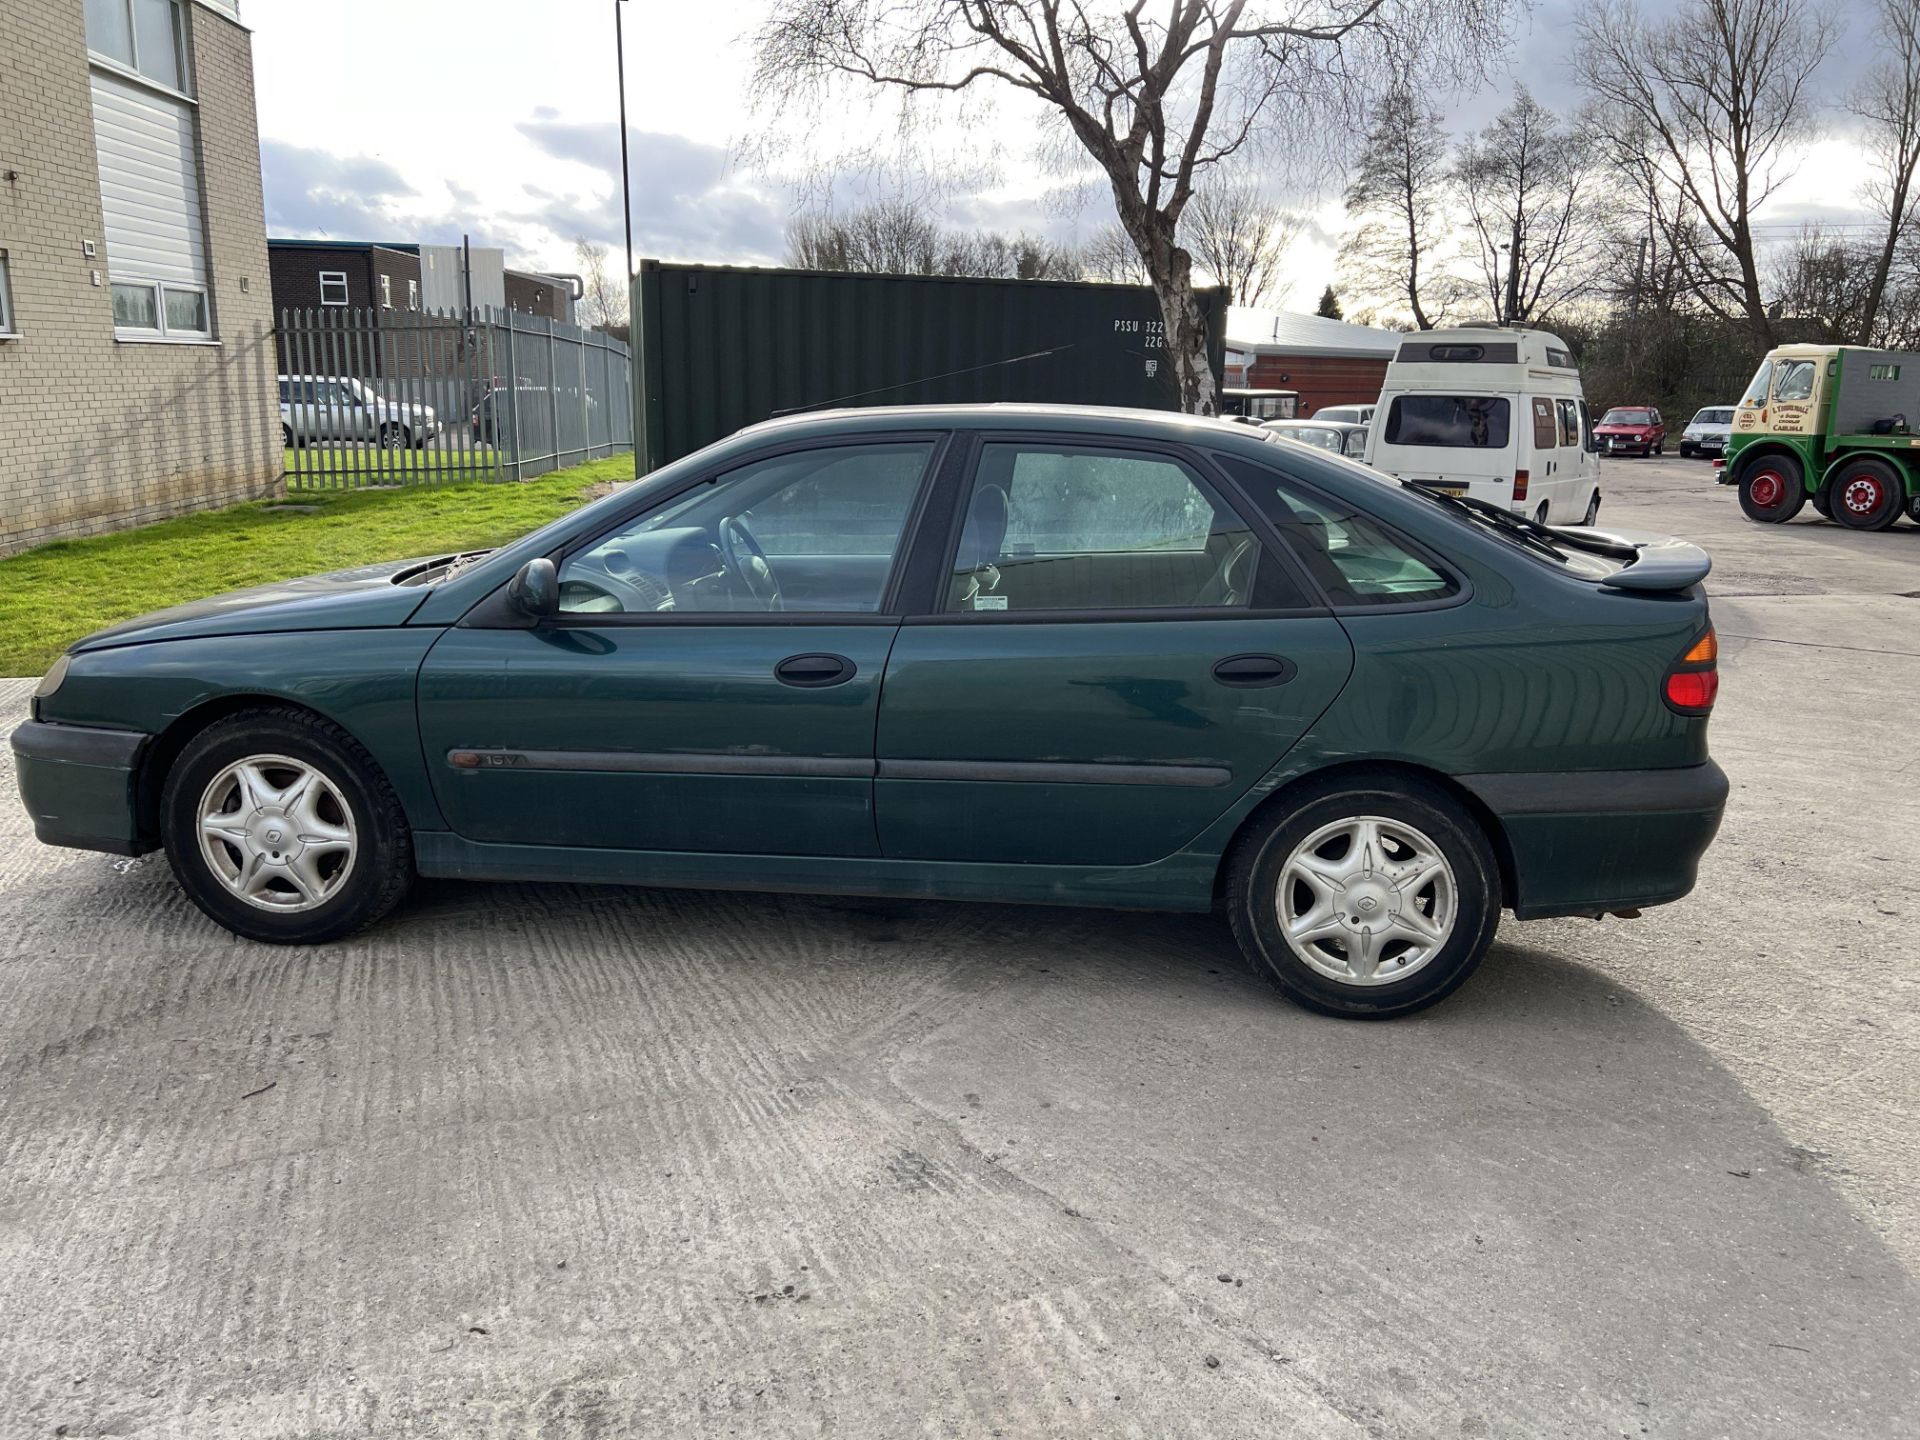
(563, 1161)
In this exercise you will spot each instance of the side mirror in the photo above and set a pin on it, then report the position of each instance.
(535, 591)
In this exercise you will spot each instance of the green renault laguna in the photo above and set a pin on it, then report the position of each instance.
(1073, 656)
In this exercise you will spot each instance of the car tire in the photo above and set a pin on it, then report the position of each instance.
(1867, 495)
(1822, 500)
(1593, 508)
(354, 855)
(1540, 515)
(1412, 822)
(1661, 448)
(1772, 489)
(286, 437)
(393, 437)
(1687, 451)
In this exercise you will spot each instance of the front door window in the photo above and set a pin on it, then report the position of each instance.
(816, 531)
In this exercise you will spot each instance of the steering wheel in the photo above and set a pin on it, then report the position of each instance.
(748, 563)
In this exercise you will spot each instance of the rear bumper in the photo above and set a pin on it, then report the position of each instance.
(78, 785)
(1584, 842)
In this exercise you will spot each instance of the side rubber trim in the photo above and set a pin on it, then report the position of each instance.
(1601, 792)
(1200, 777)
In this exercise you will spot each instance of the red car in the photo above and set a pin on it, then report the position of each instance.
(1631, 430)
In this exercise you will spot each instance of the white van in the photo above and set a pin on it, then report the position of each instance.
(1494, 413)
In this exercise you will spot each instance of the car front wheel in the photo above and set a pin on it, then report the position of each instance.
(1365, 898)
(281, 827)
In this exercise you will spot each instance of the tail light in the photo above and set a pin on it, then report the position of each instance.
(1694, 681)
(1519, 484)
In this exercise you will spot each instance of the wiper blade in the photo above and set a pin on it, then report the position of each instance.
(1521, 529)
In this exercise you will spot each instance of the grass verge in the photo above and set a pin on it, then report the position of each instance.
(53, 595)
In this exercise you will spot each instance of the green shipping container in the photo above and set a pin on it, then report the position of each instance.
(717, 347)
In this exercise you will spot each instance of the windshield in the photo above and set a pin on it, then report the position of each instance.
(1757, 391)
(1460, 422)
(1714, 417)
(1627, 417)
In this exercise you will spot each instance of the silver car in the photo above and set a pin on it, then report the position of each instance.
(1707, 432)
(1340, 437)
(320, 407)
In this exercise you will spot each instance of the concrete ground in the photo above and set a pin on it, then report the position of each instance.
(572, 1162)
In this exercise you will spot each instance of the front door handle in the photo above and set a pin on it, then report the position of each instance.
(814, 672)
(1251, 671)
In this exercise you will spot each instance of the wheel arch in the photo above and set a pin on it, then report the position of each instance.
(1286, 794)
(1770, 448)
(165, 748)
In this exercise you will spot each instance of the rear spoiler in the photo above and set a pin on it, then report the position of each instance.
(1660, 562)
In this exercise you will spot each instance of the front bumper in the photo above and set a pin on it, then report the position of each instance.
(78, 784)
(1585, 842)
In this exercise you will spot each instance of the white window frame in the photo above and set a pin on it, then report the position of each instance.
(386, 292)
(7, 332)
(334, 277)
(161, 330)
(181, 49)
(413, 294)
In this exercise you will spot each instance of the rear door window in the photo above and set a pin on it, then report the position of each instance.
(1459, 422)
(1356, 560)
(1546, 425)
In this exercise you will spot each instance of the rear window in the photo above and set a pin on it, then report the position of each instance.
(1458, 422)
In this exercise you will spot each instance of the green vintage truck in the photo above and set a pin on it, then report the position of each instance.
(1832, 424)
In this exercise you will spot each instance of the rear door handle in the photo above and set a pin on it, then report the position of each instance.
(1251, 671)
(814, 672)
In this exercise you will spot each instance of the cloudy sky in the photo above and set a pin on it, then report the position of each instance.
(501, 122)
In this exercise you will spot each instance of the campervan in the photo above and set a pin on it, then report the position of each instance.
(1493, 413)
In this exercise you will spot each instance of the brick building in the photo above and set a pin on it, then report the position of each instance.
(136, 354)
(403, 276)
(1329, 362)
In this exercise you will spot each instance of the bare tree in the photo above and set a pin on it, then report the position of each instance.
(1110, 255)
(1157, 103)
(1887, 101)
(604, 301)
(1821, 283)
(1240, 237)
(1395, 200)
(1529, 185)
(1721, 95)
(897, 237)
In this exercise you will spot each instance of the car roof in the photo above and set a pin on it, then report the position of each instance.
(1171, 424)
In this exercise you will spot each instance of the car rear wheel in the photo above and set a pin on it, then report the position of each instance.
(1367, 897)
(1540, 515)
(1867, 495)
(281, 828)
(1772, 489)
(393, 437)
(1593, 508)
(286, 437)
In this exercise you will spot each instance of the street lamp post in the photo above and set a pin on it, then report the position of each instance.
(626, 205)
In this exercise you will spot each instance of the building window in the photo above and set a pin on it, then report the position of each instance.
(6, 297)
(145, 126)
(145, 36)
(386, 292)
(413, 294)
(333, 287)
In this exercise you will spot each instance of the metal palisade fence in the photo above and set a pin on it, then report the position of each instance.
(385, 397)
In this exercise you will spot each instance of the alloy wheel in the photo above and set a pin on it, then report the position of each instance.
(1367, 900)
(277, 833)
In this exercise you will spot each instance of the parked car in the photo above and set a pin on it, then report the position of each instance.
(1631, 430)
(1080, 656)
(1337, 437)
(1707, 433)
(1491, 414)
(319, 407)
(1348, 414)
